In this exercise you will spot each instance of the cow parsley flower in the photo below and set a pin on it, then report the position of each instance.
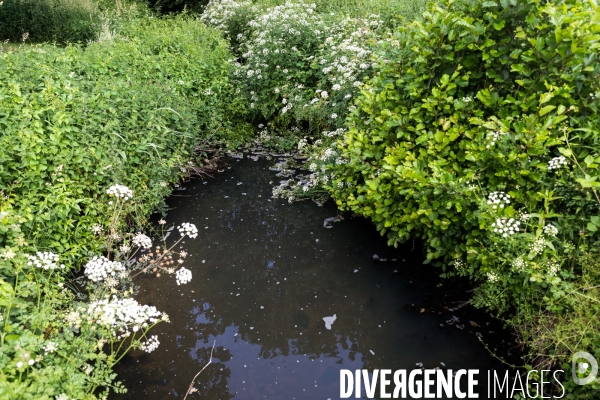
(498, 199)
(45, 260)
(553, 268)
(120, 191)
(183, 276)
(142, 241)
(101, 268)
(187, 229)
(519, 264)
(506, 226)
(538, 246)
(122, 316)
(550, 230)
(50, 347)
(151, 344)
(492, 276)
(556, 163)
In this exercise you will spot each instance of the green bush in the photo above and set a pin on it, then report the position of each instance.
(58, 21)
(139, 104)
(480, 103)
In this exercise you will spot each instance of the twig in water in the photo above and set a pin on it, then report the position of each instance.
(193, 380)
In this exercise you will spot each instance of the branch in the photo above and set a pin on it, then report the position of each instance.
(193, 380)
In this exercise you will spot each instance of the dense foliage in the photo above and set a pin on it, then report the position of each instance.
(479, 134)
(77, 124)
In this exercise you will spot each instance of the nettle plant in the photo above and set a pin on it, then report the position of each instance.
(97, 330)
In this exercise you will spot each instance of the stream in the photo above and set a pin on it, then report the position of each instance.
(266, 273)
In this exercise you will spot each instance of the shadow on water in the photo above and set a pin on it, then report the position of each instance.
(265, 273)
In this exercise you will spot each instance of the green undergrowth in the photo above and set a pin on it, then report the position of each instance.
(130, 110)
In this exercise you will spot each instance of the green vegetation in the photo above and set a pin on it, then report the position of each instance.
(75, 121)
(472, 126)
(480, 136)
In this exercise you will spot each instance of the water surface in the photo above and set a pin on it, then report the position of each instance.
(265, 273)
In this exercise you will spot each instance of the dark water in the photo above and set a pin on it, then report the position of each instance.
(265, 273)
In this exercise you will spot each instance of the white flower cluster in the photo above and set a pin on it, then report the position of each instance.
(187, 229)
(122, 316)
(151, 344)
(550, 230)
(218, 13)
(101, 268)
(183, 276)
(492, 276)
(553, 268)
(519, 264)
(50, 347)
(498, 199)
(142, 241)
(556, 163)
(45, 260)
(506, 226)
(493, 137)
(120, 191)
(538, 246)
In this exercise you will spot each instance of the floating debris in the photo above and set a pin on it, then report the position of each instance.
(479, 335)
(372, 352)
(329, 321)
(375, 257)
(355, 271)
(473, 324)
(462, 326)
(419, 364)
(168, 232)
(328, 222)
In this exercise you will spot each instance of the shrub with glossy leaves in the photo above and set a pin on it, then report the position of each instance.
(480, 103)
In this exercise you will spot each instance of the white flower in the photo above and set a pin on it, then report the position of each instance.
(493, 137)
(538, 246)
(162, 221)
(336, 87)
(62, 396)
(467, 99)
(334, 116)
(122, 316)
(45, 260)
(498, 199)
(188, 229)
(324, 94)
(151, 344)
(120, 191)
(142, 241)
(553, 268)
(8, 253)
(19, 364)
(50, 347)
(550, 230)
(506, 226)
(519, 264)
(101, 268)
(556, 163)
(313, 167)
(492, 277)
(97, 229)
(183, 276)
(124, 248)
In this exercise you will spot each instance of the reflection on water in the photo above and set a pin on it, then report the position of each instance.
(265, 274)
